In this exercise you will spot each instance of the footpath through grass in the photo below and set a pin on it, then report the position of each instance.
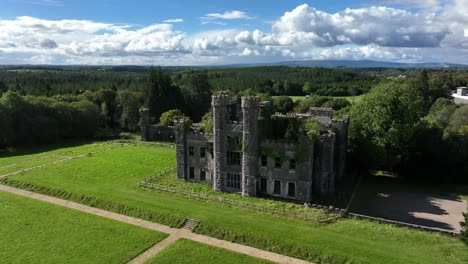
(37, 232)
(114, 175)
(185, 251)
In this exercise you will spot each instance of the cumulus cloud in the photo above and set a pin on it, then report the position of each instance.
(229, 15)
(376, 33)
(380, 25)
(175, 20)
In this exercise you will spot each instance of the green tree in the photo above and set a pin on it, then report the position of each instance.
(282, 104)
(129, 106)
(459, 119)
(107, 100)
(382, 124)
(168, 118)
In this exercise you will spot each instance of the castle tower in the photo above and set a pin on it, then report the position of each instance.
(250, 107)
(144, 124)
(341, 129)
(181, 150)
(324, 178)
(219, 105)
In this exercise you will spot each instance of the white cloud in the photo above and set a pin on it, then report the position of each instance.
(229, 15)
(175, 20)
(375, 33)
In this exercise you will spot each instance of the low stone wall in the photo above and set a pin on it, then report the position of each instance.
(402, 224)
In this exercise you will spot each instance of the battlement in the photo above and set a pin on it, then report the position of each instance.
(195, 135)
(250, 101)
(321, 111)
(222, 99)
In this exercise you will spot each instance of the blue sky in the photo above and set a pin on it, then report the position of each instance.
(221, 32)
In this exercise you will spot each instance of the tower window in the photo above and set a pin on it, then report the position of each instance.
(292, 164)
(264, 160)
(291, 189)
(263, 185)
(202, 152)
(234, 158)
(202, 175)
(277, 187)
(233, 181)
(191, 173)
(191, 150)
(277, 162)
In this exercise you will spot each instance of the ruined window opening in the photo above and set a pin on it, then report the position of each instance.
(291, 189)
(263, 185)
(191, 150)
(277, 162)
(191, 173)
(202, 152)
(277, 187)
(292, 164)
(233, 181)
(202, 175)
(234, 158)
(264, 160)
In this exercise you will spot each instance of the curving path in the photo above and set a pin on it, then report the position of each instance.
(174, 233)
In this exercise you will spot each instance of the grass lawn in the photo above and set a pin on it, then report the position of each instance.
(23, 155)
(37, 232)
(194, 252)
(114, 175)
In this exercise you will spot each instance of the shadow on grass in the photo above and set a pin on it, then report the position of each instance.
(29, 150)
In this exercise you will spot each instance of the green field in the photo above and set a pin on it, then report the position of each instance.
(114, 176)
(194, 252)
(36, 232)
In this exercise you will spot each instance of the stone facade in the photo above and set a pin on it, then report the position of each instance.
(234, 158)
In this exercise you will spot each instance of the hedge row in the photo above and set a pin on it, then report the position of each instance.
(284, 248)
(165, 219)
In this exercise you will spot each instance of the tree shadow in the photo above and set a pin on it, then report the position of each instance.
(392, 199)
(29, 150)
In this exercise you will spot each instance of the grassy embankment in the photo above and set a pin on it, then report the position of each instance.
(32, 231)
(114, 175)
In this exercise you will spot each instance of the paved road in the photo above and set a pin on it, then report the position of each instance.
(174, 233)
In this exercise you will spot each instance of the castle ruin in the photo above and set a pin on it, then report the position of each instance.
(237, 158)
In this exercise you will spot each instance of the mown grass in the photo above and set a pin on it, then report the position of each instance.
(36, 232)
(114, 176)
(29, 164)
(195, 252)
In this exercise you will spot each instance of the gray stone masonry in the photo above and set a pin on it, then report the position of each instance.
(234, 159)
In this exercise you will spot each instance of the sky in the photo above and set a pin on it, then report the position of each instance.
(209, 32)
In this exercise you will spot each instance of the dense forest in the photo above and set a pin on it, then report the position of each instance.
(406, 122)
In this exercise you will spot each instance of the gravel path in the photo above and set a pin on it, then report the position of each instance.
(174, 233)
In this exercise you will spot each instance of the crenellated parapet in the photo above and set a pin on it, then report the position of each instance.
(250, 102)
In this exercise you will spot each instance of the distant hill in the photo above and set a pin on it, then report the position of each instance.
(352, 64)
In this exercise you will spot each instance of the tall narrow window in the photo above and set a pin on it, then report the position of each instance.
(292, 164)
(191, 150)
(202, 175)
(234, 158)
(191, 173)
(277, 162)
(264, 160)
(202, 152)
(291, 189)
(263, 185)
(277, 187)
(233, 181)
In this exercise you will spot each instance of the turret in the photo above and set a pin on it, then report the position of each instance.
(250, 107)
(144, 124)
(219, 105)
